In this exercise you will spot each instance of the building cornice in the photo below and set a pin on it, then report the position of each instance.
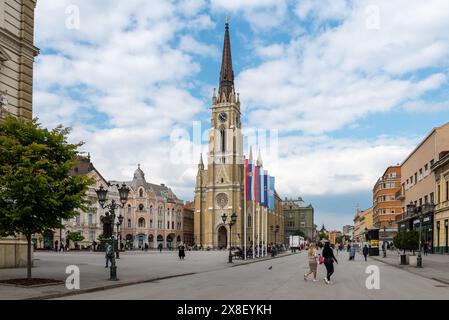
(14, 43)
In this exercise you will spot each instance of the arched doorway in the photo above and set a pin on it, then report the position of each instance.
(150, 240)
(222, 235)
(160, 240)
(141, 240)
(170, 239)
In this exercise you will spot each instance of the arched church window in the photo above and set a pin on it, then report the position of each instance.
(141, 193)
(222, 139)
(141, 207)
(141, 223)
(129, 209)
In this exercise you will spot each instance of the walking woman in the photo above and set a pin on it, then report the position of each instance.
(329, 259)
(313, 264)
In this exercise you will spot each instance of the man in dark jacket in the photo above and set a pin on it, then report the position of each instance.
(365, 251)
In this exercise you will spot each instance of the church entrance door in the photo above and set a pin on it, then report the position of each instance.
(222, 237)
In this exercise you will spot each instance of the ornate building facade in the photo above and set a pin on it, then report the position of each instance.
(219, 187)
(152, 216)
(17, 53)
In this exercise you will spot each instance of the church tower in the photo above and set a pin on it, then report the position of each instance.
(219, 188)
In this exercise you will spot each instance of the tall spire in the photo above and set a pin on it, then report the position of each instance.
(227, 73)
(259, 159)
(201, 164)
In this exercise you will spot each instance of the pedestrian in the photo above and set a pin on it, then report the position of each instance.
(352, 252)
(160, 247)
(109, 255)
(365, 251)
(313, 264)
(182, 252)
(329, 259)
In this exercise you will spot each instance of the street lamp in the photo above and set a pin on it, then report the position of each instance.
(119, 235)
(123, 194)
(224, 217)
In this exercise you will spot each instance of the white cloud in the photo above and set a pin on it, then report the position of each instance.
(330, 79)
(322, 165)
(261, 14)
(189, 44)
(426, 106)
(323, 9)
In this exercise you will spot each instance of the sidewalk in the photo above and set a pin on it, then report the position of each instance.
(435, 266)
(132, 268)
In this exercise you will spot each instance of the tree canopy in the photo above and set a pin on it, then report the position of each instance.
(36, 190)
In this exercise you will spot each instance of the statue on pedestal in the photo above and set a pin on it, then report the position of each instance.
(108, 225)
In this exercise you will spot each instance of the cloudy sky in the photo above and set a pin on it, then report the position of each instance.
(347, 87)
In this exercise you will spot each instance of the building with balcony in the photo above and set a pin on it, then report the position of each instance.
(441, 217)
(386, 207)
(418, 183)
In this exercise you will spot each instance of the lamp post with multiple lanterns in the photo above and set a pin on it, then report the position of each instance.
(102, 195)
(231, 223)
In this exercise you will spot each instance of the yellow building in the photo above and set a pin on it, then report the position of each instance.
(363, 221)
(441, 218)
(17, 54)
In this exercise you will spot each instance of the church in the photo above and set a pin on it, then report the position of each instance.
(219, 187)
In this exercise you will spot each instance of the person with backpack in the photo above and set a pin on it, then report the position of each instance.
(109, 254)
(329, 259)
(365, 251)
(312, 255)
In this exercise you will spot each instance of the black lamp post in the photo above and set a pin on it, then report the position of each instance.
(102, 194)
(233, 221)
(274, 229)
(119, 235)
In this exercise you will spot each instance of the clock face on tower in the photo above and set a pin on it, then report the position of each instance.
(223, 117)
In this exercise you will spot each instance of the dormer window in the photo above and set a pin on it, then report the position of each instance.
(141, 193)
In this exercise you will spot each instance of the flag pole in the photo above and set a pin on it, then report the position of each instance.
(244, 210)
(253, 221)
(258, 231)
(263, 236)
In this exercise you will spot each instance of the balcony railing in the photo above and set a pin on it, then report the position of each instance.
(400, 195)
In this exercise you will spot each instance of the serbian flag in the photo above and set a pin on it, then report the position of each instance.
(249, 187)
(265, 188)
(261, 186)
(271, 196)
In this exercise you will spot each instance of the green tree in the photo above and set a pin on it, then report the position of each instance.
(406, 240)
(75, 236)
(36, 190)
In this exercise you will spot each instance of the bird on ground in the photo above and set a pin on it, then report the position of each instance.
(271, 267)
